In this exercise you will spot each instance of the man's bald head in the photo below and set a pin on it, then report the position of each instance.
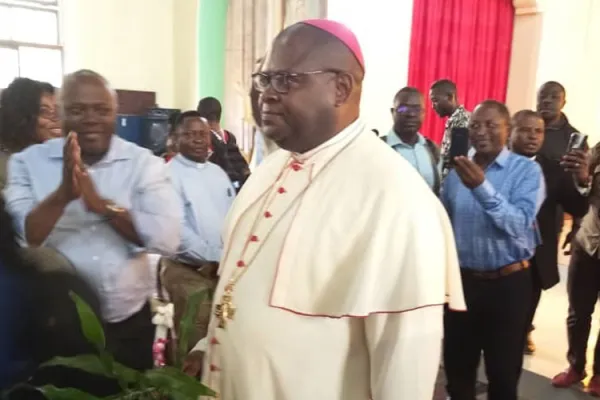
(71, 80)
(89, 108)
(311, 87)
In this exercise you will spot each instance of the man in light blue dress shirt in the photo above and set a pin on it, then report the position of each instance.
(492, 198)
(103, 203)
(408, 113)
(205, 195)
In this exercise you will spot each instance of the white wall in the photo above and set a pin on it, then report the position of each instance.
(383, 28)
(131, 42)
(522, 79)
(185, 54)
(570, 54)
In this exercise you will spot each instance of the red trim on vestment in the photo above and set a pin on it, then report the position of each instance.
(355, 316)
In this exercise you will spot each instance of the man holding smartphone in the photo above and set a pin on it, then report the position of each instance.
(565, 189)
(492, 198)
(551, 99)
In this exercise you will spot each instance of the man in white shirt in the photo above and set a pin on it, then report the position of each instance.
(103, 203)
(205, 195)
(338, 257)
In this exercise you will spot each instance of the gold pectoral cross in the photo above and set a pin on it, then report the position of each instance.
(225, 310)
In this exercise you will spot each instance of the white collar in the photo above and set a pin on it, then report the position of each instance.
(189, 163)
(339, 140)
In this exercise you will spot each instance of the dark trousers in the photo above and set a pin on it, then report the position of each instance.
(497, 317)
(536, 294)
(583, 287)
(130, 341)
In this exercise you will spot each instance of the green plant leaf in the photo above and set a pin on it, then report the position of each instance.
(94, 364)
(126, 375)
(177, 384)
(187, 323)
(138, 394)
(90, 363)
(90, 324)
(54, 393)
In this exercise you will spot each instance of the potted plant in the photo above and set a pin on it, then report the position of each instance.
(165, 383)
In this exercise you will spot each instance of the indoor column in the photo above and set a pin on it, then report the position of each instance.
(212, 32)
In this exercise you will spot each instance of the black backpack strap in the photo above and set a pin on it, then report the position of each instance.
(434, 150)
(434, 154)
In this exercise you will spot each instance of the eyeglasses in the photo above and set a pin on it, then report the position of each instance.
(281, 82)
(406, 109)
(47, 113)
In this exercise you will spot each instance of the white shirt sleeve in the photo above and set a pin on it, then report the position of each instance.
(584, 191)
(405, 351)
(202, 345)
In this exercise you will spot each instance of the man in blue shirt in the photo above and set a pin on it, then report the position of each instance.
(102, 202)
(492, 199)
(205, 196)
(408, 113)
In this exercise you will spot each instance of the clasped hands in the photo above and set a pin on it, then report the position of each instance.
(76, 182)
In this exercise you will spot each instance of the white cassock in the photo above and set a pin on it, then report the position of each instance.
(346, 260)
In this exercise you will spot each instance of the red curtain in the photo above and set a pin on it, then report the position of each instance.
(467, 41)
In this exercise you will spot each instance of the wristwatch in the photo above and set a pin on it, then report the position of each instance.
(587, 184)
(112, 210)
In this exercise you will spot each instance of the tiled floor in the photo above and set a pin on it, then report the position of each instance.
(550, 335)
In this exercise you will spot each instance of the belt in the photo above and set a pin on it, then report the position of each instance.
(498, 273)
(207, 270)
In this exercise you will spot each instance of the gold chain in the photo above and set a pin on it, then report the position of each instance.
(225, 310)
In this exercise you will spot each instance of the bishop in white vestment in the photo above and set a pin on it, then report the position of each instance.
(338, 258)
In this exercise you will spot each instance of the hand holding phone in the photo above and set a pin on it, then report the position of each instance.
(576, 160)
(459, 144)
(577, 141)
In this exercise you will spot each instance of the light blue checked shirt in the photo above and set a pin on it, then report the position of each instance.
(132, 178)
(495, 223)
(205, 196)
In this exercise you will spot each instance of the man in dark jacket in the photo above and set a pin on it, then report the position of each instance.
(225, 151)
(566, 188)
(551, 99)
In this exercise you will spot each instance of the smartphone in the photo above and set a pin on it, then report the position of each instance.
(577, 141)
(459, 145)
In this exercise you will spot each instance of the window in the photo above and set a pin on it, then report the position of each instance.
(30, 44)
